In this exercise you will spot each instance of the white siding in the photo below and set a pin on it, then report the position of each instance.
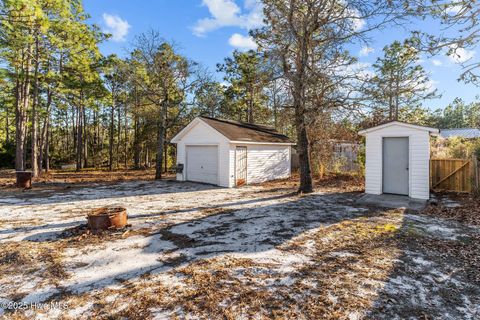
(231, 165)
(203, 134)
(264, 162)
(419, 159)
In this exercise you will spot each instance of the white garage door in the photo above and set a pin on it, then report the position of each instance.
(202, 164)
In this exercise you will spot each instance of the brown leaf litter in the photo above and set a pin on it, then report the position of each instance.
(465, 208)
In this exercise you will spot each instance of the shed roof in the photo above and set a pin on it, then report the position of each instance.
(398, 123)
(242, 132)
(467, 133)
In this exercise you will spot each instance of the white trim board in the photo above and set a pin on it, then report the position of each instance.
(402, 124)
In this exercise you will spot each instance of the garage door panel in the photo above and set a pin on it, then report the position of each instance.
(202, 164)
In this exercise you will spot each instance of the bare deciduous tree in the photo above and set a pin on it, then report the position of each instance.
(309, 38)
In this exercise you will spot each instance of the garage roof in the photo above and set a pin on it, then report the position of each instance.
(242, 131)
(236, 131)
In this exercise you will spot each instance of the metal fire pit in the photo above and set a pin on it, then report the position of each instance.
(107, 218)
(24, 179)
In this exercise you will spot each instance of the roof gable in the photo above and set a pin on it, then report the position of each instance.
(192, 129)
(398, 123)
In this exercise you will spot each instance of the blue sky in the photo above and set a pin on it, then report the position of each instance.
(207, 31)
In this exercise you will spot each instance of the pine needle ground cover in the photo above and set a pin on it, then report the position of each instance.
(258, 252)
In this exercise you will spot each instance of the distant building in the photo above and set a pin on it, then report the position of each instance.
(466, 133)
(442, 147)
(345, 154)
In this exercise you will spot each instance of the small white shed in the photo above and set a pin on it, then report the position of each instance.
(230, 153)
(398, 159)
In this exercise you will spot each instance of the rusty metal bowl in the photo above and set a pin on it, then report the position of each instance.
(107, 218)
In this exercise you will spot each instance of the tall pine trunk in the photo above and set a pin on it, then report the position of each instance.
(136, 139)
(161, 139)
(47, 150)
(136, 145)
(165, 157)
(306, 185)
(112, 124)
(85, 139)
(21, 107)
(137, 149)
(119, 132)
(95, 139)
(111, 139)
(34, 152)
(303, 153)
(44, 134)
(147, 158)
(7, 125)
(80, 110)
(125, 128)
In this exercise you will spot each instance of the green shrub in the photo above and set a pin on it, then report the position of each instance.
(476, 151)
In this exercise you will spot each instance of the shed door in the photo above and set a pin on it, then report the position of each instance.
(395, 165)
(240, 166)
(202, 164)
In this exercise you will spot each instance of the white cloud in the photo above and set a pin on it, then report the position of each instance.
(437, 62)
(429, 85)
(460, 55)
(354, 15)
(242, 42)
(226, 13)
(365, 51)
(358, 24)
(116, 26)
(453, 10)
(362, 70)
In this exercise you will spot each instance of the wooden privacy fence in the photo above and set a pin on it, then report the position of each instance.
(459, 175)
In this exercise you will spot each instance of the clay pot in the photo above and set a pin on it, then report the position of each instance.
(24, 179)
(107, 218)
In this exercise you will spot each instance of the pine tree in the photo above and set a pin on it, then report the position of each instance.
(247, 76)
(400, 83)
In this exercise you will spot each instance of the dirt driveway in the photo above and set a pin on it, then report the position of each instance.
(197, 251)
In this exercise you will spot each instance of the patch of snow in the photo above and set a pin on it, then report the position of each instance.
(82, 310)
(434, 226)
(284, 262)
(122, 259)
(443, 232)
(40, 295)
(421, 261)
(342, 254)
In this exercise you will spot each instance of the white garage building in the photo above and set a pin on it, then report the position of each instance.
(398, 159)
(231, 153)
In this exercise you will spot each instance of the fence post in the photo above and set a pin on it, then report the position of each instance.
(476, 174)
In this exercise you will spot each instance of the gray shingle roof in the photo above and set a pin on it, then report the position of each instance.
(241, 131)
(468, 133)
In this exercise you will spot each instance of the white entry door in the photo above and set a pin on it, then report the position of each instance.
(202, 164)
(240, 166)
(395, 165)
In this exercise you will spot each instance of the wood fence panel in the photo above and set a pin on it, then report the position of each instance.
(476, 175)
(451, 174)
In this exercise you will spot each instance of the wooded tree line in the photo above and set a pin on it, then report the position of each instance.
(62, 101)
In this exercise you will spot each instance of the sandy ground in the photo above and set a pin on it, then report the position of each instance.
(200, 252)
